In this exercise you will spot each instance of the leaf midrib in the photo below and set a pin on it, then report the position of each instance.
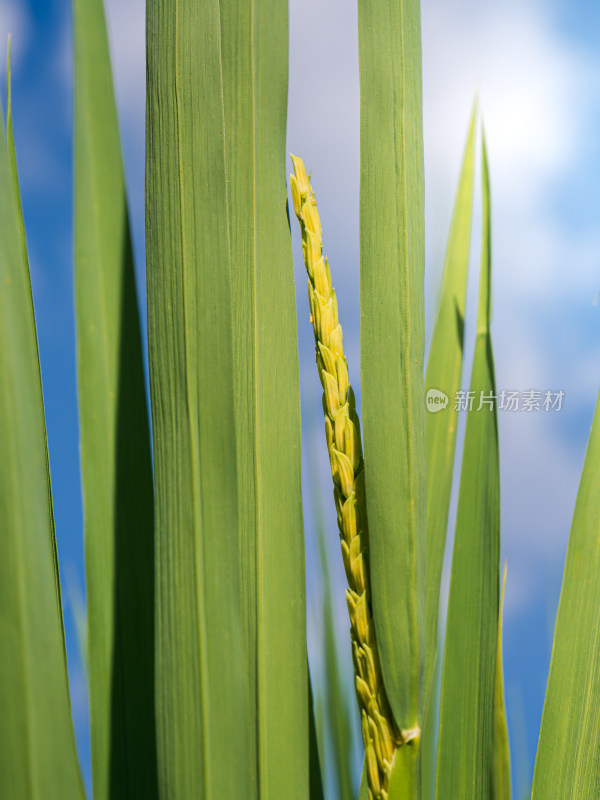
(407, 314)
(261, 721)
(195, 437)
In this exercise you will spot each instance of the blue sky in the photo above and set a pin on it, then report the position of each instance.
(536, 67)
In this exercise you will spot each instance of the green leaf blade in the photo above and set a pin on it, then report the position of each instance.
(444, 369)
(316, 779)
(203, 705)
(404, 783)
(443, 374)
(37, 755)
(501, 785)
(466, 733)
(567, 764)
(338, 712)
(254, 57)
(391, 287)
(115, 440)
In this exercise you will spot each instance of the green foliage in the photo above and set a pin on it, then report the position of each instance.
(392, 340)
(443, 374)
(195, 547)
(338, 713)
(266, 391)
(115, 440)
(465, 748)
(37, 756)
(202, 707)
(567, 760)
(444, 371)
(316, 777)
(501, 784)
(226, 433)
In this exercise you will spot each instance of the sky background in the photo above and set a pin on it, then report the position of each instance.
(536, 68)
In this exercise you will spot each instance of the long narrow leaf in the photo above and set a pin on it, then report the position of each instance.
(444, 370)
(14, 173)
(468, 676)
(363, 793)
(316, 779)
(442, 378)
(501, 756)
(37, 746)
(430, 734)
(338, 712)
(203, 707)
(391, 285)
(568, 758)
(254, 57)
(115, 443)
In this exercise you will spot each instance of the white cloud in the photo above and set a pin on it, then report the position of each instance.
(531, 87)
(14, 20)
(534, 91)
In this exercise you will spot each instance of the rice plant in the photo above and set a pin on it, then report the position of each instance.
(199, 683)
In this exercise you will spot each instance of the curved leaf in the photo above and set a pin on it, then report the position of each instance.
(501, 756)
(465, 747)
(316, 781)
(391, 288)
(568, 758)
(266, 381)
(336, 700)
(115, 440)
(444, 370)
(37, 745)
